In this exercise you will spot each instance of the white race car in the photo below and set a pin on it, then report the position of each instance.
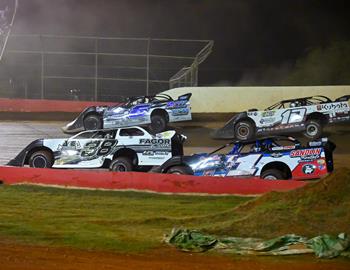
(122, 149)
(153, 111)
(308, 115)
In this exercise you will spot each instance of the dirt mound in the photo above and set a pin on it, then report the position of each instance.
(318, 208)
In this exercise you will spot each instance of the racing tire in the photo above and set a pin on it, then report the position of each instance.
(244, 130)
(180, 170)
(313, 129)
(121, 164)
(92, 122)
(158, 123)
(273, 174)
(41, 159)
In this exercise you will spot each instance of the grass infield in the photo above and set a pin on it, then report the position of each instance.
(101, 220)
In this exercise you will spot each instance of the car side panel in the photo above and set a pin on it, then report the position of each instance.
(179, 110)
(293, 119)
(118, 117)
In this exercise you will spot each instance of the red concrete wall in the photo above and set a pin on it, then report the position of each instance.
(163, 183)
(44, 105)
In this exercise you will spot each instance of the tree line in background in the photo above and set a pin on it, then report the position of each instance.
(322, 66)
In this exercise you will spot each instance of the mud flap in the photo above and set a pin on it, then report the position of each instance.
(225, 133)
(329, 147)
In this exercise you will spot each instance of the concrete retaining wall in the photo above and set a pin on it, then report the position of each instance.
(236, 99)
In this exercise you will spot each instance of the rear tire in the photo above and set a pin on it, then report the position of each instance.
(121, 164)
(244, 130)
(180, 170)
(41, 159)
(313, 129)
(158, 123)
(273, 174)
(92, 122)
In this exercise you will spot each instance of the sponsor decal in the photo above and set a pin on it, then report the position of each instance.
(321, 161)
(176, 104)
(252, 113)
(276, 155)
(181, 111)
(162, 143)
(332, 106)
(268, 120)
(268, 113)
(308, 168)
(148, 153)
(306, 152)
(321, 167)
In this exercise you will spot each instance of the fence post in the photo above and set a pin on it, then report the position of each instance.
(96, 69)
(147, 80)
(42, 69)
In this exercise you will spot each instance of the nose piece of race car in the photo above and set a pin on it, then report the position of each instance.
(72, 127)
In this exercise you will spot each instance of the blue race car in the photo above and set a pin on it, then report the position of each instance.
(155, 111)
(270, 158)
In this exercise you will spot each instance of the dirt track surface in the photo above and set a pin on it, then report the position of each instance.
(37, 258)
(15, 135)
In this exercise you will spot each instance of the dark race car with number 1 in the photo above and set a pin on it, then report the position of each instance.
(153, 111)
(308, 115)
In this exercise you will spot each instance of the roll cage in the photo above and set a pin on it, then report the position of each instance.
(257, 146)
(147, 99)
(298, 102)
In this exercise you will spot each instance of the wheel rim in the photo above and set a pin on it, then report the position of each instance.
(312, 130)
(119, 168)
(270, 177)
(243, 131)
(91, 124)
(39, 162)
(157, 124)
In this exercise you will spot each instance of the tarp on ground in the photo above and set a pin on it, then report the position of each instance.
(323, 246)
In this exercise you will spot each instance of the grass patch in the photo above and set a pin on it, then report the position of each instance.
(318, 208)
(101, 220)
(131, 221)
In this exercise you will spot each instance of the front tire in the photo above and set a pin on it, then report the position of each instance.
(244, 130)
(273, 174)
(41, 159)
(121, 164)
(92, 122)
(180, 170)
(313, 129)
(158, 123)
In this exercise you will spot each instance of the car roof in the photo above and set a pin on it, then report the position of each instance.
(113, 129)
(276, 138)
(306, 98)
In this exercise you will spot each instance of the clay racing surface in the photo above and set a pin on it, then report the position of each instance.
(15, 135)
(36, 258)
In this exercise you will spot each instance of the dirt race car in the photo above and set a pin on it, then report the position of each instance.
(123, 149)
(271, 158)
(156, 111)
(308, 115)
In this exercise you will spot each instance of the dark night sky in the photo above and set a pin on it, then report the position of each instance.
(249, 35)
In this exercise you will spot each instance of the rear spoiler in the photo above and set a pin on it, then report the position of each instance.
(185, 97)
(343, 98)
